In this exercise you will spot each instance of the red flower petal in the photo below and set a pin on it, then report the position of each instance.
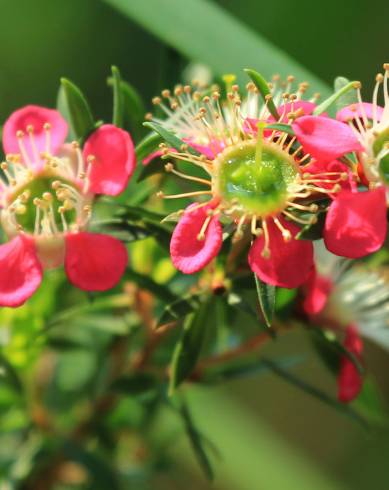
(35, 116)
(114, 162)
(356, 223)
(94, 262)
(283, 110)
(355, 110)
(324, 138)
(20, 271)
(289, 264)
(317, 288)
(189, 254)
(349, 380)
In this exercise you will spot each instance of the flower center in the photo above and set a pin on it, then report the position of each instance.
(255, 179)
(45, 205)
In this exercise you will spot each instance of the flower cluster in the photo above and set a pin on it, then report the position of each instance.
(47, 193)
(271, 162)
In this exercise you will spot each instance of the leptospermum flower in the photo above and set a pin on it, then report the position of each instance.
(256, 179)
(351, 298)
(47, 194)
(361, 129)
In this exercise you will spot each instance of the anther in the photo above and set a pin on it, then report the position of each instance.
(47, 126)
(386, 66)
(169, 167)
(91, 158)
(19, 134)
(47, 196)
(30, 129)
(75, 145)
(357, 85)
(379, 78)
(148, 116)
(56, 184)
(156, 100)
(21, 209)
(313, 208)
(165, 93)
(160, 194)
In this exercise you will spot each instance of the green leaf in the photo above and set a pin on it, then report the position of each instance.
(77, 109)
(285, 128)
(188, 347)
(267, 299)
(133, 109)
(118, 104)
(196, 441)
(169, 137)
(347, 98)
(148, 145)
(264, 90)
(180, 308)
(333, 98)
(315, 392)
(205, 32)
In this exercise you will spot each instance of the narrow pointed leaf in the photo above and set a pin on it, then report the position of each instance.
(347, 98)
(118, 105)
(285, 128)
(205, 32)
(326, 104)
(188, 348)
(180, 308)
(147, 145)
(196, 441)
(78, 110)
(267, 299)
(169, 137)
(263, 88)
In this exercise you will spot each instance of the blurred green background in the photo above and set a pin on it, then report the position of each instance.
(270, 435)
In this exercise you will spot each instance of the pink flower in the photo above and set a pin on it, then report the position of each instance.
(46, 200)
(256, 179)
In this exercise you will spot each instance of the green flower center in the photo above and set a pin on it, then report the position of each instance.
(38, 205)
(255, 178)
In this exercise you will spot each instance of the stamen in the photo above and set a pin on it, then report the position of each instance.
(201, 235)
(266, 250)
(169, 167)
(286, 234)
(187, 194)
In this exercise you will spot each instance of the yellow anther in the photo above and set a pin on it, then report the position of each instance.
(56, 184)
(21, 209)
(357, 85)
(4, 166)
(169, 167)
(30, 128)
(67, 204)
(156, 100)
(19, 134)
(166, 93)
(313, 208)
(160, 194)
(47, 196)
(91, 158)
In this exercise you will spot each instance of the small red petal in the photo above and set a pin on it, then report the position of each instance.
(35, 116)
(325, 138)
(189, 254)
(94, 262)
(20, 271)
(317, 288)
(114, 161)
(356, 223)
(349, 380)
(289, 264)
